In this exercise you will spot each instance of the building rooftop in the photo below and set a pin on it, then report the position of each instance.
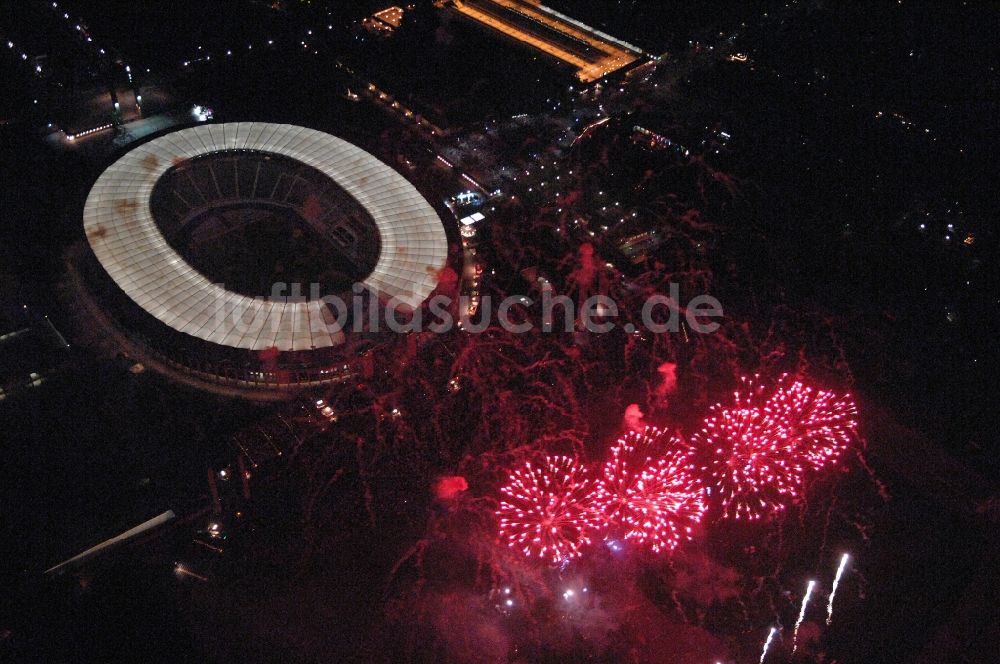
(130, 244)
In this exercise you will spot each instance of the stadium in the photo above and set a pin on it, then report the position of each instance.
(201, 235)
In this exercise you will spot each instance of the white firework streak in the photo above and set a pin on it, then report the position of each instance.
(836, 582)
(802, 614)
(767, 644)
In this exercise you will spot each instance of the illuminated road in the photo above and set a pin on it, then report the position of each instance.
(608, 57)
(567, 29)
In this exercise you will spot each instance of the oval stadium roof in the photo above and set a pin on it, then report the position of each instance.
(130, 246)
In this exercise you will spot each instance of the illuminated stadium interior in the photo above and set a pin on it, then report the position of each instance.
(250, 220)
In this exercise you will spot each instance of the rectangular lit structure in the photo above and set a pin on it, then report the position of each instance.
(591, 52)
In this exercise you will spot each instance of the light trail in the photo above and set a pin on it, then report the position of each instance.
(836, 582)
(802, 615)
(767, 644)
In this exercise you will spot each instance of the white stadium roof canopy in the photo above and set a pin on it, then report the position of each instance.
(129, 245)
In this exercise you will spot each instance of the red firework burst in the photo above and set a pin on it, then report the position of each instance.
(752, 464)
(758, 448)
(822, 423)
(648, 490)
(547, 510)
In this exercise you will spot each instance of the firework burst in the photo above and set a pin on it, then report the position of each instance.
(758, 449)
(547, 510)
(751, 460)
(821, 423)
(647, 490)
